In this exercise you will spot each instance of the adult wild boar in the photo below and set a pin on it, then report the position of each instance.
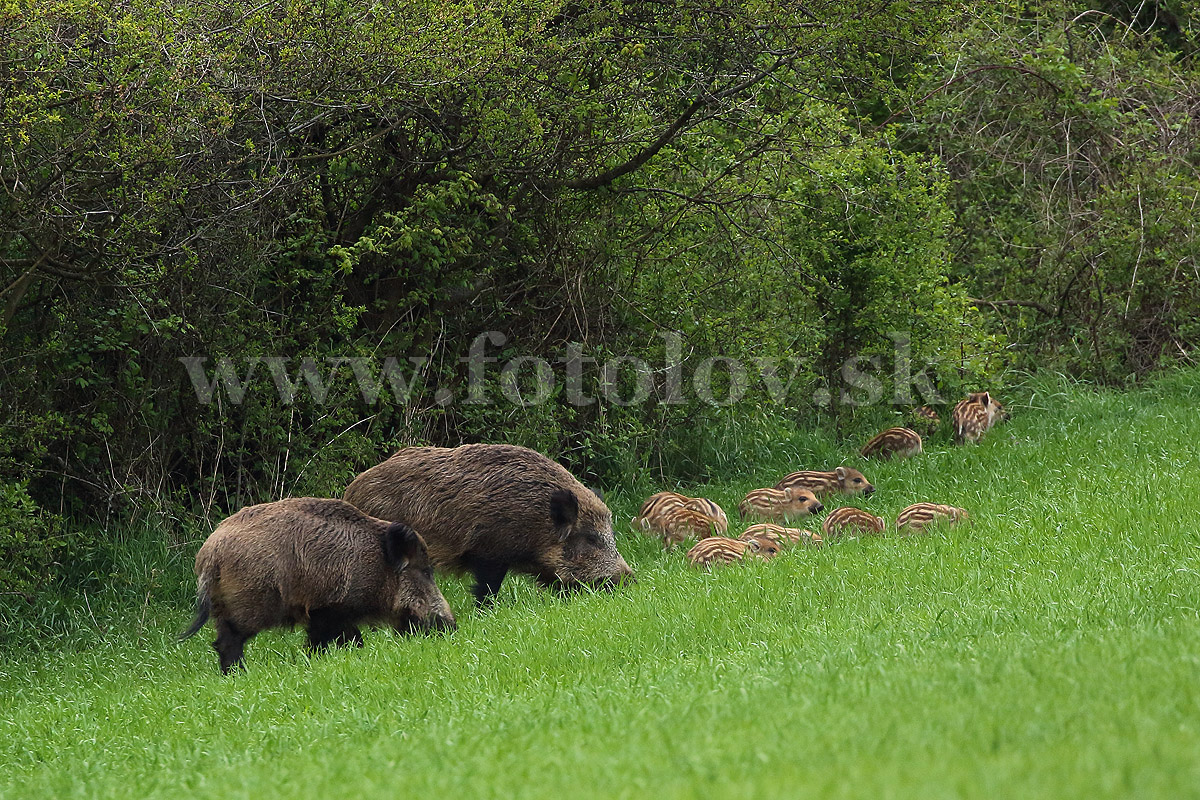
(487, 509)
(317, 562)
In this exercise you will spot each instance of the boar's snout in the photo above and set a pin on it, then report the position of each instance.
(617, 581)
(606, 584)
(441, 623)
(436, 622)
(426, 613)
(440, 619)
(624, 577)
(818, 508)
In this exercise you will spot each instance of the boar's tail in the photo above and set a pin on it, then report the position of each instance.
(203, 607)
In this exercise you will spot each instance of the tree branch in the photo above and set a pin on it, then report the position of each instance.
(947, 84)
(19, 287)
(647, 153)
(1036, 306)
(605, 178)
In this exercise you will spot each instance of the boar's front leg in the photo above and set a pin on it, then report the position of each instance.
(229, 644)
(326, 626)
(488, 577)
(350, 635)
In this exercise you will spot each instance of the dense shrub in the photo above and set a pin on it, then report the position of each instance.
(265, 191)
(1073, 140)
(30, 541)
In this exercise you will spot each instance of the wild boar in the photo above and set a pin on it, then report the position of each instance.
(925, 420)
(780, 535)
(843, 479)
(680, 523)
(768, 504)
(898, 442)
(719, 550)
(973, 416)
(321, 563)
(711, 510)
(650, 516)
(852, 521)
(921, 515)
(487, 509)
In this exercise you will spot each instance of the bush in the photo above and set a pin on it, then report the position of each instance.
(30, 542)
(1072, 140)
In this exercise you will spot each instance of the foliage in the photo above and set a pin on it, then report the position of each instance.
(1072, 137)
(322, 205)
(314, 181)
(30, 540)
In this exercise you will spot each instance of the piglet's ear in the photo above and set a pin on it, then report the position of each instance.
(841, 472)
(985, 398)
(401, 544)
(564, 508)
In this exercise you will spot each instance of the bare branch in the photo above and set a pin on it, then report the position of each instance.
(1024, 303)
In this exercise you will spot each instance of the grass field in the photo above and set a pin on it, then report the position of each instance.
(1052, 649)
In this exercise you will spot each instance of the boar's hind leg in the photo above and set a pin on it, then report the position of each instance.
(326, 627)
(229, 645)
(488, 577)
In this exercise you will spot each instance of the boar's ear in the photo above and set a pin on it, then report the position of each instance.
(841, 473)
(564, 508)
(400, 545)
(985, 398)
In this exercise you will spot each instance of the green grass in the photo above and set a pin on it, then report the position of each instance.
(1052, 650)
